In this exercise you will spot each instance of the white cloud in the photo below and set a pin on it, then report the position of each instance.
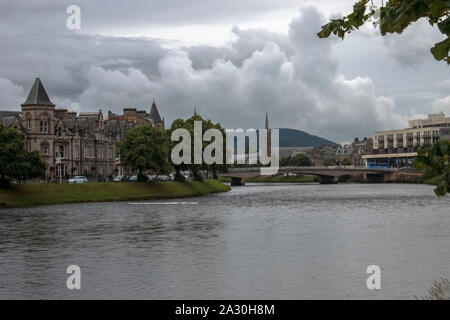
(412, 47)
(11, 94)
(294, 76)
(442, 105)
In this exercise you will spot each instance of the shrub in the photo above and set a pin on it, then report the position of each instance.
(179, 177)
(142, 178)
(439, 291)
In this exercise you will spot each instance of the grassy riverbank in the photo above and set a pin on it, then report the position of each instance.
(43, 194)
(278, 179)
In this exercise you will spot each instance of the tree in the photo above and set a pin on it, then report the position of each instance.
(188, 124)
(145, 148)
(346, 162)
(15, 161)
(395, 16)
(330, 162)
(435, 163)
(299, 160)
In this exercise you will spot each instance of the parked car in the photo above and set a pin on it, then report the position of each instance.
(186, 175)
(152, 178)
(78, 179)
(133, 178)
(118, 178)
(163, 178)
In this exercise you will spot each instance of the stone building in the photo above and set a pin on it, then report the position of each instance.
(72, 144)
(353, 152)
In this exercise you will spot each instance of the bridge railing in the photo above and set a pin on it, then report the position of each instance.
(317, 168)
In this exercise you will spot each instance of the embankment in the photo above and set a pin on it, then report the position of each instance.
(44, 194)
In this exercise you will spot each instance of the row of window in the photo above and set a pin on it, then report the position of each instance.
(63, 152)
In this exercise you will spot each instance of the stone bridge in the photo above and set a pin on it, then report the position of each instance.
(327, 175)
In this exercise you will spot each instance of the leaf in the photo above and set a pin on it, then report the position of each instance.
(441, 50)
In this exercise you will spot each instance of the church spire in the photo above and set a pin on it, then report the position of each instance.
(268, 136)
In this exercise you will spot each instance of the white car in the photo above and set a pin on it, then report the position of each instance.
(78, 179)
(118, 178)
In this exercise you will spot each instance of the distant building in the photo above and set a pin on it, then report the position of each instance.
(72, 144)
(397, 148)
(353, 152)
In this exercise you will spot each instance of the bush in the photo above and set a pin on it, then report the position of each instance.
(142, 178)
(179, 177)
(4, 183)
(197, 177)
(439, 291)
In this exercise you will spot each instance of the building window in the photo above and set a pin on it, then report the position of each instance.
(44, 126)
(60, 132)
(44, 150)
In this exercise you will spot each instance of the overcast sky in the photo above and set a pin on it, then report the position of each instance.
(232, 59)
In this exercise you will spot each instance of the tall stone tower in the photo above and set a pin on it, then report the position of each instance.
(38, 115)
(269, 138)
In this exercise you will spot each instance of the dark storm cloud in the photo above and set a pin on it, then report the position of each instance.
(294, 76)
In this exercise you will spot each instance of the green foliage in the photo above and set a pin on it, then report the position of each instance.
(188, 124)
(395, 17)
(142, 178)
(439, 291)
(145, 148)
(179, 177)
(330, 162)
(435, 163)
(197, 177)
(299, 160)
(346, 162)
(15, 161)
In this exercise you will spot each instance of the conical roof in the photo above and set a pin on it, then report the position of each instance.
(154, 114)
(37, 95)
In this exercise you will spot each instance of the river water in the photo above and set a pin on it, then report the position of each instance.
(295, 241)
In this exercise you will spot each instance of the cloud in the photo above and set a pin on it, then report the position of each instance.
(11, 95)
(442, 105)
(412, 47)
(293, 76)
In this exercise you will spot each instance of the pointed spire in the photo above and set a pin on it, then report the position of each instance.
(195, 110)
(38, 95)
(267, 121)
(154, 113)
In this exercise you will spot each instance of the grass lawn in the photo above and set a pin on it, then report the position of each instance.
(277, 179)
(40, 194)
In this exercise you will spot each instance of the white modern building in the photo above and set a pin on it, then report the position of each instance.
(397, 148)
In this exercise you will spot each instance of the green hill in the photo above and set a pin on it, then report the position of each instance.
(298, 138)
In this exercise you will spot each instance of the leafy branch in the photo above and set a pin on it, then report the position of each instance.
(394, 17)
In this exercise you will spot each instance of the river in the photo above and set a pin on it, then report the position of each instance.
(286, 241)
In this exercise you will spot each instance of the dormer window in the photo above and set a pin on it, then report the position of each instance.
(60, 132)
